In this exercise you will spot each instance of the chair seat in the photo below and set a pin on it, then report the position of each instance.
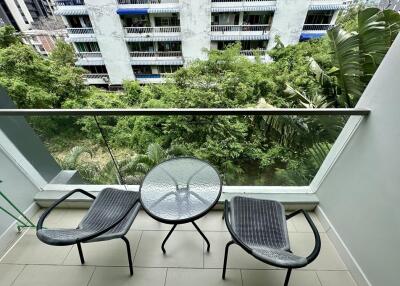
(107, 208)
(259, 223)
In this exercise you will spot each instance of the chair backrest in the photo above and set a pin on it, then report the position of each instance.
(109, 206)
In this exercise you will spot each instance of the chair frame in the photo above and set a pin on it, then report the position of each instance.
(93, 235)
(237, 240)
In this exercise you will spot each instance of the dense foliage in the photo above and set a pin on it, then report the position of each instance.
(328, 72)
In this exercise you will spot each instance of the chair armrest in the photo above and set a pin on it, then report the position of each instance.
(56, 203)
(314, 229)
(235, 237)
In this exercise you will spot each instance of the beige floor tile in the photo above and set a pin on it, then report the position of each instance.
(277, 278)
(303, 243)
(105, 253)
(51, 275)
(301, 225)
(184, 249)
(61, 218)
(119, 276)
(336, 278)
(237, 257)
(202, 277)
(9, 272)
(30, 250)
(212, 222)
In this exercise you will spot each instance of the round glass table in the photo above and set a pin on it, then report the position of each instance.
(180, 190)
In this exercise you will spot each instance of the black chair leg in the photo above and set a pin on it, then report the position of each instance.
(226, 257)
(80, 253)
(288, 277)
(128, 248)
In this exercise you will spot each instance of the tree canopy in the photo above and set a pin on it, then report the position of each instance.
(270, 150)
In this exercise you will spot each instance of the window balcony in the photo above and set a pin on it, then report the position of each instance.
(81, 35)
(140, 2)
(328, 4)
(96, 78)
(242, 5)
(239, 32)
(80, 31)
(165, 33)
(106, 262)
(89, 54)
(156, 58)
(70, 7)
(317, 27)
(69, 2)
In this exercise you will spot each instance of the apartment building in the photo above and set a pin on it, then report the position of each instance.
(145, 40)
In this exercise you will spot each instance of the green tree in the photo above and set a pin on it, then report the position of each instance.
(63, 54)
(8, 36)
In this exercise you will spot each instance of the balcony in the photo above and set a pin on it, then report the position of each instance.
(328, 4)
(156, 58)
(70, 7)
(143, 34)
(152, 6)
(96, 78)
(239, 32)
(242, 5)
(81, 35)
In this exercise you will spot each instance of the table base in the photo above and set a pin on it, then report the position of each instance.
(173, 228)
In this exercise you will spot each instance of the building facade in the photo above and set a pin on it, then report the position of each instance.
(119, 40)
(22, 14)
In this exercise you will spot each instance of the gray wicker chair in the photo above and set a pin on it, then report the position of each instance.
(259, 227)
(110, 216)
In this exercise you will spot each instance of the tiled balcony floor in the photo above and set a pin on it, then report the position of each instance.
(30, 262)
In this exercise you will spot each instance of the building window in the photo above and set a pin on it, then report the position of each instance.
(167, 20)
(257, 18)
(319, 17)
(96, 69)
(225, 19)
(87, 47)
(167, 69)
(142, 69)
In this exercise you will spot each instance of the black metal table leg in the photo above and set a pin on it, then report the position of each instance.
(166, 238)
(202, 234)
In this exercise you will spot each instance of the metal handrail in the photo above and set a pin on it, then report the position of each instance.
(241, 0)
(151, 30)
(89, 54)
(69, 2)
(95, 75)
(187, 111)
(140, 54)
(253, 52)
(122, 2)
(317, 27)
(88, 30)
(240, 28)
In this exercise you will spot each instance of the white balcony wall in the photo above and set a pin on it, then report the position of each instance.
(195, 28)
(288, 21)
(110, 37)
(360, 194)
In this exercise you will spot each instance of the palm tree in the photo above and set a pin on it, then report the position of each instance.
(358, 54)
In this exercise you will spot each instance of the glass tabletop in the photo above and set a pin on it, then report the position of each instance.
(180, 189)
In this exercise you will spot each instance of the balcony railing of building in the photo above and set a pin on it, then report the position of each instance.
(240, 28)
(252, 53)
(147, 1)
(317, 27)
(219, 1)
(155, 54)
(80, 31)
(96, 76)
(69, 2)
(89, 55)
(152, 30)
